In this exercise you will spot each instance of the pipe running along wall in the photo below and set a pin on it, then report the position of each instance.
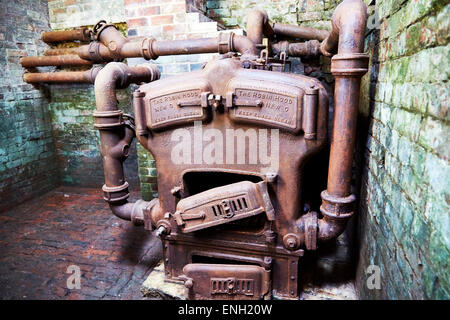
(117, 133)
(111, 45)
(347, 66)
(292, 31)
(87, 76)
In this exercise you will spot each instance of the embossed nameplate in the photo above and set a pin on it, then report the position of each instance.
(177, 106)
(272, 104)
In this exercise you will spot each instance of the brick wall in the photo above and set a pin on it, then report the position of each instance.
(404, 211)
(66, 14)
(27, 157)
(314, 13)
(71, 106)
(77, 141)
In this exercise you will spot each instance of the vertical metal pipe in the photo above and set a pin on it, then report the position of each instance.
(348, 66)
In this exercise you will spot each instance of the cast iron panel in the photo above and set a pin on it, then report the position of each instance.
(167, 107)
(266, 103)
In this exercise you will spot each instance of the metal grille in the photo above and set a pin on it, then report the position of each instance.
(232, 286)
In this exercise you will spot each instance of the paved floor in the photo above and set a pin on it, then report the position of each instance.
(41, 238)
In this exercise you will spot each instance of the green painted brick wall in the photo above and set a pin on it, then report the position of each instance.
(77, 141)
(27, 154)
(233, 13)
(405, 190)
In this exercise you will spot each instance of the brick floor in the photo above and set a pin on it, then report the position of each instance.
(40, 238)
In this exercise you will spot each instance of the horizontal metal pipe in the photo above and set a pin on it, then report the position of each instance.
(63, 77)
(82, 34)
(297, 49)
(120, 47)
(293, 31)
(191, 46)
(64, 60)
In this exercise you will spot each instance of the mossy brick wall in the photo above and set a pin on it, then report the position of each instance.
(77, 141)
(27, 156)
(314, 13)
(405, 194)
(71, 106)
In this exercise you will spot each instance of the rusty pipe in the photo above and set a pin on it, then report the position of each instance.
(82, 34)
(224, 43)
(120, 47)
(63, 77)
(348, 25)
(293, 31)
(64, 60)
(298, 49)
(348, 66)
(116, 135)
(258, 26)
(111, 45)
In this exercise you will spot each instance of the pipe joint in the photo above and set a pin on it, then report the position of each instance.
(147, 49)
(94, 52)
(337, 207)
(114, 195)
(258, 26)
(104, 120)
(225, 42)
(108, 35)
(350, 64)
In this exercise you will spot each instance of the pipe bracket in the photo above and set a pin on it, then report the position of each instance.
(115, 194)
(225, 43)
(350, 64)
(337, 207)
(147, 49)
(108, 119)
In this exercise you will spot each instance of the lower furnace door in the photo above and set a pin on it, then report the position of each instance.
(227, 281)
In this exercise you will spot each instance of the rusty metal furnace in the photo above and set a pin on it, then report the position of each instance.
(230, 229)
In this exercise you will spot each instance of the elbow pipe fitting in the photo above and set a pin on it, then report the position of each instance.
(258, 26)
(116, 136)
(348, 66)
(230, 42)
(311, 230)
(347, 28)
(135, 212)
